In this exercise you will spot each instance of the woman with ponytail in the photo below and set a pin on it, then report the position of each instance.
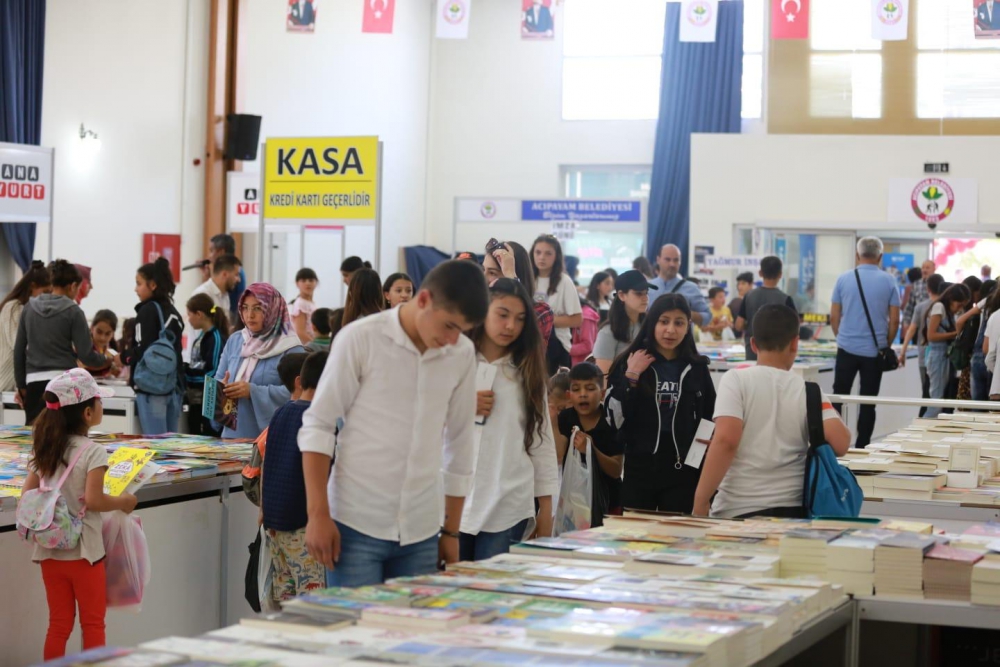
(160, 410)
(212, 326)
(31, 284)
(52, 337)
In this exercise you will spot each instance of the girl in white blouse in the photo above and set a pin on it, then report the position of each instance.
(554, 286)
(515, 450)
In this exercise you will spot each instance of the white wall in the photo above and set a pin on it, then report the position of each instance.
(496, 125)
(821, 179)
(135, 72)
(340, 82)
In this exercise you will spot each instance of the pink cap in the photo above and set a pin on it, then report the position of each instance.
(74, 387)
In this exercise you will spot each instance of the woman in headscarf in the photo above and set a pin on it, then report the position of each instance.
(249, 364)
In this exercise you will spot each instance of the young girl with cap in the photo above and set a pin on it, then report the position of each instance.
(249, 364)
(628, 310)
(64, 458)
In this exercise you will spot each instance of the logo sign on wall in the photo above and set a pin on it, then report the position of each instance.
(25, 183)
(583, 210)
(489, 210)
(738, 262)
(242, 201)
(323, 178)
(952, 202)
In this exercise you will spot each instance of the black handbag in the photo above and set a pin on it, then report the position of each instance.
(887, 359)
(250, 589)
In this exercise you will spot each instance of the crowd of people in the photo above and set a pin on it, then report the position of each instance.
(424, 423)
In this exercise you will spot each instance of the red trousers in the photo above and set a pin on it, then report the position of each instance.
(69, 583)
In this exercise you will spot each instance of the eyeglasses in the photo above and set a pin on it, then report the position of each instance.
(247, 310)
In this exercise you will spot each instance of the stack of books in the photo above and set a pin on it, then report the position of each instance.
(948, 572)
(986, 582)
(803, 551)
(899, 564)
(851, 560)
(908, 487)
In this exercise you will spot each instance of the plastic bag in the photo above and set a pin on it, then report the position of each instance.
(127, 564)
(576, 493)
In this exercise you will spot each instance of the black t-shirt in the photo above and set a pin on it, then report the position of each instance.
(604, 440)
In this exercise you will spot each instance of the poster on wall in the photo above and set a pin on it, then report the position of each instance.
(699, 21)
(167, 246)
(537, 20)
(378, 16)
(25, 183)
(986, 15)
(896, 265)
(301, 16)
(453, 19)
(933, 202)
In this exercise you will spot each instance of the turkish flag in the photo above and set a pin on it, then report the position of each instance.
(789, 19)
(378, 16)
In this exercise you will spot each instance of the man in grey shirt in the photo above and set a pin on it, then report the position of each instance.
(917, 333)
(769, 293)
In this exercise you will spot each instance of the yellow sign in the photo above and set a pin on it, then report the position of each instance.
(321, 178)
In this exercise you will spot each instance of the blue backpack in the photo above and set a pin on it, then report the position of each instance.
(156, 372)
(830, 489)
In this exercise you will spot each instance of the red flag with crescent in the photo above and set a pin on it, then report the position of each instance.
(378, 16)
(789, 19)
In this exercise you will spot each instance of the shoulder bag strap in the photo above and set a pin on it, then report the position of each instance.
(69, 468)
(814, 415)
(678, 286)
(864, 302)
(159, 313)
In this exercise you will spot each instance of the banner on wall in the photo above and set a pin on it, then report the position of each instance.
(582, 211)
(378, 17)
(167, 246)
(242, 201)
(301, 16)
(321, 178)
(890, 20)
(986, 16)
(699, 21)
(807, 265)
(453, 19)
(489, 210)
(736, 262)
(25, 183)
(789, 19)
(952, 202)
(537, 19)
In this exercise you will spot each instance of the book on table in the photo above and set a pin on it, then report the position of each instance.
(284, 621)
(948, 572)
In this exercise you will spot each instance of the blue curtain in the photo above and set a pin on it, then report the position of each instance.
(420, 259)
(700, 92)
(22, 56)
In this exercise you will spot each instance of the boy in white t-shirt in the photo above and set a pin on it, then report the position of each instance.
(757, 458)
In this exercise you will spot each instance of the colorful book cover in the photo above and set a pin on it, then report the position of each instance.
(123, 466)
(215, 405)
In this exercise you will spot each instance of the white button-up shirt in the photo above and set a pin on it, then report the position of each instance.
(508, 478)
(219, 298)
(395, 408)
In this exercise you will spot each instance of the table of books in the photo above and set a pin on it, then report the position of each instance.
(197, 524)
(645, 590)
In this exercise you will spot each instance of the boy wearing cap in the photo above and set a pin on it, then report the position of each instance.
(628, 309)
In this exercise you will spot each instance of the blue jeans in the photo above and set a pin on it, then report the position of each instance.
(366, 561)
(487, 545)
(939, 371)
(158, 414)
(981, 377)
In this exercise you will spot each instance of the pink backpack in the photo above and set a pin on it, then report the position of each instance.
(44, 517)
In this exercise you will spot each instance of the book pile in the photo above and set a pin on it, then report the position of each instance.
(908, 487)
(986, 582)
(803, 551)
(851, 560)
(899, 564)
(948, 572)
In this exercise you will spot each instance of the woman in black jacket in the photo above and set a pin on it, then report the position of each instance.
(660, 391)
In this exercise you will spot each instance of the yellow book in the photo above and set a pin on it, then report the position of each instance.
(123, 465)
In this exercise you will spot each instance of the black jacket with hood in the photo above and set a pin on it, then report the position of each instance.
(147, 332)
(52, 336)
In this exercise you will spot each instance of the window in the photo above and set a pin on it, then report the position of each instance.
(845, 66)
(622, 52)
(607, 181)
(958, 76)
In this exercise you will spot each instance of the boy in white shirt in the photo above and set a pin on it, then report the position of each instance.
(397, 386)
(757, 458)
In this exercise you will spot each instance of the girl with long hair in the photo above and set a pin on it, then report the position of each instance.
(74, 577)
(350, 265)
(398, 288)
(516, 461)
(35, 281)
(212, 326)
(600, 293)
(511, 260)
(102, 331)
(628, 310)
(556, 288)
(661, 390)
(301, 309)
(943, 325)
(155, 313)
(52, 337)
(364, 296)
(249, 364)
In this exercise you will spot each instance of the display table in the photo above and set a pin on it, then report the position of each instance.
(197, 531)
(119, 411)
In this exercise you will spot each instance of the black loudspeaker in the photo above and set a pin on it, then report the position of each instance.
(243, 137)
